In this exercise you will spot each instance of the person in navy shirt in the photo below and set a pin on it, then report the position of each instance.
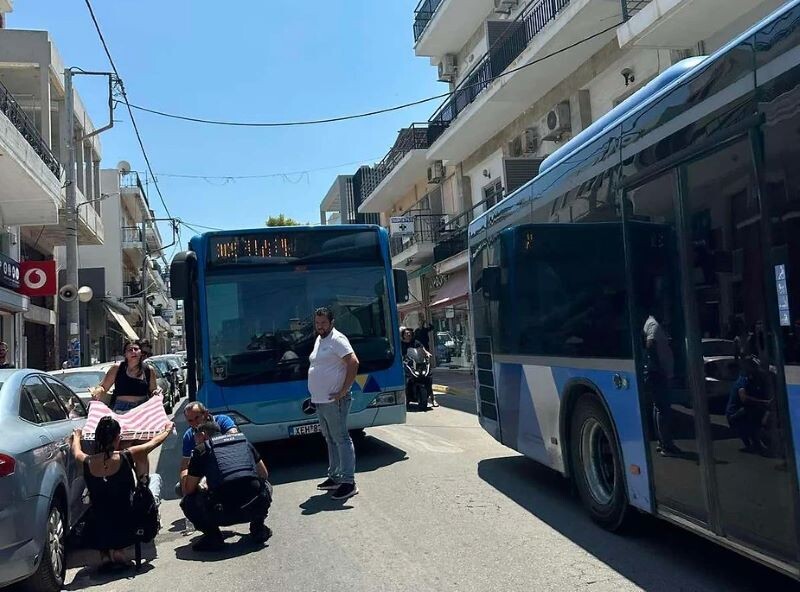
(748, 405)
(196, 414)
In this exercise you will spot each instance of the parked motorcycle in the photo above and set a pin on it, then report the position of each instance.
(417, 365)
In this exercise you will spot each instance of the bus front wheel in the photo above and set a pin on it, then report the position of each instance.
(597, 464)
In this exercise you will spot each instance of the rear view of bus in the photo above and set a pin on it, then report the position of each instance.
(250, 297)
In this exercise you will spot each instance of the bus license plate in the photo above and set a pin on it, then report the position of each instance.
(302, 430)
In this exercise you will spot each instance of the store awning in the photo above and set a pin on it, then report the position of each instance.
(153, 328)
(456, 288)
(122, 322)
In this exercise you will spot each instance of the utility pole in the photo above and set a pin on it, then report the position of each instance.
(74, 143)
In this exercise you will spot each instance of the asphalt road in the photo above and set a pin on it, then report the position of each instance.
(442, 507)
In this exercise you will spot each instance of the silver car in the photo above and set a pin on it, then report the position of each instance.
(82, 379)
(41, 485)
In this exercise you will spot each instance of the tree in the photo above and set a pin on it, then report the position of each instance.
(282, 220)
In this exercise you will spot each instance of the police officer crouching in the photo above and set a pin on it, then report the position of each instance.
(237, 488)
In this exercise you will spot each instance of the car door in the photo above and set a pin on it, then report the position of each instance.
(59, 426)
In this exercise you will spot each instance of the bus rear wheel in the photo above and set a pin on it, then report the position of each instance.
(597, 464)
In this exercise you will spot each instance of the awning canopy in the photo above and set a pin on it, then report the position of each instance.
(456, 288)
(153, 328)
(123, 323)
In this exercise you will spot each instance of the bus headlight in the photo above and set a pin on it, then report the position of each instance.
(237, 418)
(389, 398)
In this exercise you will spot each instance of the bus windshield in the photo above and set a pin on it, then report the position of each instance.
(261, 322)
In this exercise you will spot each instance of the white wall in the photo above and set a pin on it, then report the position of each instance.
(494, 165)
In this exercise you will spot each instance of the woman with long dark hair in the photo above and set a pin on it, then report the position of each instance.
(133, 381)
(110, 478)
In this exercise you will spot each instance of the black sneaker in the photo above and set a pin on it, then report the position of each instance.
(209, 542)
(328, 485)
(345, 491)
(260, 533)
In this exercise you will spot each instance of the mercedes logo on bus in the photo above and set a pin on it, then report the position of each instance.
(309, 408)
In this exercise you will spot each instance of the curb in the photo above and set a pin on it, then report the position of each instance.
(450, 390)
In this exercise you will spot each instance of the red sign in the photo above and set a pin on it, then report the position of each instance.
(37, 278)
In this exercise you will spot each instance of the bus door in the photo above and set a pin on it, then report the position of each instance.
(669, 405)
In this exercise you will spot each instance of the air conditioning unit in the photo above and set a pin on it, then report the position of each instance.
(505, 6)
(435, 172)
(556, 122)
(447, 68)
(530, 140)
(515, 147)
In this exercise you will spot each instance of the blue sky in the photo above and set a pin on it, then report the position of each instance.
(245, 60)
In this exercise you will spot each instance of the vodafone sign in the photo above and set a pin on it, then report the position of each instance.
(37, 278)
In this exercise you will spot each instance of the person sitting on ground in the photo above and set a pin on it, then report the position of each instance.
(236, 489)
(407, 342)
(109, 476)
(748, 405)
(196, 414)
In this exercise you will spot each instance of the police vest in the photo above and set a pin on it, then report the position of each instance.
(230, 460)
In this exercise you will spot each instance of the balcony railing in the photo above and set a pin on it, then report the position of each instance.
(631, 7)
(507, 48)
(131, 179)
(453, 234)
(131, 234)
(423, 15)
(411, 138)
(18, 118)
(427, 228)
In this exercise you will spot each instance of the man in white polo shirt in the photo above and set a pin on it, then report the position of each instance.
(332, 372)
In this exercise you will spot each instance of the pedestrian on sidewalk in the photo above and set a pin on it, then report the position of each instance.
(332, 371)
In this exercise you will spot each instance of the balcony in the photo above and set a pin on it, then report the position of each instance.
(31, 188)
(677, 24)
(398, 172)
(445, 26)
(415, 250)
(133, 196)
(154, 242)
(485, 102)
(453, 234)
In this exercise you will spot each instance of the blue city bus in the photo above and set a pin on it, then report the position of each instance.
(681, 204)
(249, 299)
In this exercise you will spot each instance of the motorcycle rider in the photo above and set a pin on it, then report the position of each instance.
(407, 342)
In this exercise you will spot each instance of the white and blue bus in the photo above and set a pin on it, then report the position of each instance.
(249, 298)
(682, 203)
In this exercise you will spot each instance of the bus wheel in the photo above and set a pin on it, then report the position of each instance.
(597, 464)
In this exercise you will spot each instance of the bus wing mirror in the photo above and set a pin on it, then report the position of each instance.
(180, 274)
(400, 285)
(490, 283)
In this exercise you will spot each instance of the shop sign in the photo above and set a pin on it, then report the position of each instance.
(401, 225)
(9, 272)
(450, 312)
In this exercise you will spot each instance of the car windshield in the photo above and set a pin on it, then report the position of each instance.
(261, 323)
(81, 380)
(162, 365)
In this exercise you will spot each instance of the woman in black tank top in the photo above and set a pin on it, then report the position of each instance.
(134, 382)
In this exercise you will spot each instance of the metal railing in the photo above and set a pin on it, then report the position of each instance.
(411, 138)
(131, 179)
(423, 15)
(453, 234)
(427, 228)
(507, 48)
(131, 234)
(18, 118)
(631, 7)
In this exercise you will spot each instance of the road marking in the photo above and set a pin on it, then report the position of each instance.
(417, 440)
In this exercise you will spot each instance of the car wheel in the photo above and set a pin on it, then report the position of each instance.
(49, 576)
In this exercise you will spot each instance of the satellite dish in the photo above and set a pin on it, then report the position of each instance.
(123, 166)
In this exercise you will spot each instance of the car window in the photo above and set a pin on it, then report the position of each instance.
(26, 409)
(81, 381)
(44, 401)
(68, 399)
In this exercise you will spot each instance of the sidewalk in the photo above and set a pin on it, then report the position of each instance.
(459, 382)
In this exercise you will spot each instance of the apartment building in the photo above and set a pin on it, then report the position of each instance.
(525, 78)
(32, 197)
(126, 273)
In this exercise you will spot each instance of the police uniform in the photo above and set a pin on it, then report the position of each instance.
(235, 494)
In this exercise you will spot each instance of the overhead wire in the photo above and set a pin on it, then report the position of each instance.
(374, 112)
